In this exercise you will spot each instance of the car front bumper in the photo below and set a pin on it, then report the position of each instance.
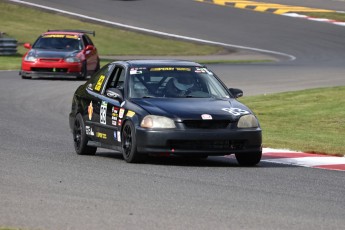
(53, 69)
(48, 74)
(196, 142)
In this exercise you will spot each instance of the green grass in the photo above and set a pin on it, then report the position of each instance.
(109, 40)
(10, 62)
(334, 16)
(310, 120)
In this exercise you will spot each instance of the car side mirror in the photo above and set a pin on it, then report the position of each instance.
(114, 93)
(27, 45)
(236, 92)
(89, 47)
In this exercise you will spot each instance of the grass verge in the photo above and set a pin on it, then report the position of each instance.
(333, 16)
(309, 121)
(10, 62)
(109, 40)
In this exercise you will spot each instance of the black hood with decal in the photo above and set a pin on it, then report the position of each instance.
(41, 53)
(194, 108)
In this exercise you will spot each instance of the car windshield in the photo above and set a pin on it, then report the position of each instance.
(175, 82)
(58, 41)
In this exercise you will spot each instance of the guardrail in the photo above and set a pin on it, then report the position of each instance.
(8, 46)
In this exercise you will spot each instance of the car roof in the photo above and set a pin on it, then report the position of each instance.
(69, 32)
(159, 62)
(62, 32)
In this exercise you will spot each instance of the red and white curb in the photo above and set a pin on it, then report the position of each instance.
(288, 157)
(335, 22)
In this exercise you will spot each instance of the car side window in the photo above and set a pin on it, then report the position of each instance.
(97, 81)
(87, 40)
(121, 79)
(117, 79)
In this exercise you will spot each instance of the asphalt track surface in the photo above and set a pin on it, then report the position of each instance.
(45, 185)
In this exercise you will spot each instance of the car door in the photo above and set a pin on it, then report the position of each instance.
(90, 55)
(96, 104)
(111, 113)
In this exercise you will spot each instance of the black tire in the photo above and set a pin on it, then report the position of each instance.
(129, 144)
(248, 159)
(80, 138)
(25, 77)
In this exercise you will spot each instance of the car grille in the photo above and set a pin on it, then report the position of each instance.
(50, 70)
(207, 144)
(206, 124)
(50, 59)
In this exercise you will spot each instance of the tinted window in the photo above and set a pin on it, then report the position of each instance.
(58, 41)
(117, 79)
(98, 80)
(87, 40)
(175, 82)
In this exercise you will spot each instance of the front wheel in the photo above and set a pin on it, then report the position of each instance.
(80, 138)
(248, 159)
(25, 77)
(129, 144)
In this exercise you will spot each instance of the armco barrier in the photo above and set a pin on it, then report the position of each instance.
(8, 46)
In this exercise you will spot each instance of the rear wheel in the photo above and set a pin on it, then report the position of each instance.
(80, 138)
(248, 159)
(129, 144)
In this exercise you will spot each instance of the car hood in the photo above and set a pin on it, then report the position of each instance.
(40, 53)
(194, 108)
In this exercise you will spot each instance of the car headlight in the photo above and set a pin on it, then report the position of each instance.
(30, 58)
(152, 121)
(72, 59)
(248, 121)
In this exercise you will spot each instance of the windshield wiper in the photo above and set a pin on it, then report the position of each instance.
(148, 97)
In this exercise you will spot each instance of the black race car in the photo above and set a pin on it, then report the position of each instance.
(163, 107)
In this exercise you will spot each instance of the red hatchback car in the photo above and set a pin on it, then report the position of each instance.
(61, 53)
